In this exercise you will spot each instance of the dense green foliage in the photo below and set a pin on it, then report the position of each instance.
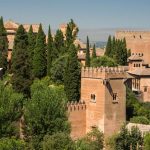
(140, 120)
(21, 79)
(10, 110)
(72, 76)
(12, 144)
(117, 50)
(125, 139)
(103, 61)
(58, 69)
(87, 59)
(58, 141)
(92, 141)
(147, 141)
(49, 106)
(3, 46)
(39, 58)
(134, 108)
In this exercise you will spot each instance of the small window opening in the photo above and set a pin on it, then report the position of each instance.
(93, 98)
(145, 89)
(114, 96)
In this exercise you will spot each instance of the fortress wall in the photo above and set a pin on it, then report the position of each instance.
(77, 118)
(137, 41)
(115, 114)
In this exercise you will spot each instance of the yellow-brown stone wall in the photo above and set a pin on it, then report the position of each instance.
(115, 114)
(95, 109)
(138, 42)
(77, 118)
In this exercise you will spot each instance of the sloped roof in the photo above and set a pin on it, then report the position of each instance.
(11, 24)
(140, 72)
(135, 57)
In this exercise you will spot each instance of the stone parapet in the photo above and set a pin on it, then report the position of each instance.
(76, 106)
(103, 72)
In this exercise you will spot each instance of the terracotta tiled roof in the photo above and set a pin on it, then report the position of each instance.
(141, 72)
(135, 57)
(11, 25)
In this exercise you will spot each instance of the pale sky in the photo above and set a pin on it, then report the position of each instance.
(94, 17)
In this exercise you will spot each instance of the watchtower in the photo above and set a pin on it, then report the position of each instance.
(104, 92)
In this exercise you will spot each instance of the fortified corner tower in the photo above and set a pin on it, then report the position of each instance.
(104, 92)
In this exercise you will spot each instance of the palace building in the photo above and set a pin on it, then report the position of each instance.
(102, 104)
(139, 61)
(11, 28)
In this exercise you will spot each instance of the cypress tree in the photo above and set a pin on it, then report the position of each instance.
(21, 79)
(87, 59)
(113, 47)
(59, 43)
(49, 51)
(94, 52)
(71, 33)
(108, 47)
(31, 45)
(3, 46)
(39, 58)
(72, 76)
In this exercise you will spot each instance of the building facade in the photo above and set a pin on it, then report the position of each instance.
(139, 61)
(103, 102)
(11, 28)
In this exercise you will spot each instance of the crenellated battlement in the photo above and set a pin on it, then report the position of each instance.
(128, 34)
(103, 72)
(76, 106)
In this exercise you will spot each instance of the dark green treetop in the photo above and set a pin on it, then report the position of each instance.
(72, 76)
(3, 45)
(87, 59)
(94, 52)
(21, 79)
(39, 58)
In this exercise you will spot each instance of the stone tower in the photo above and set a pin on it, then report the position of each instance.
(103, 92)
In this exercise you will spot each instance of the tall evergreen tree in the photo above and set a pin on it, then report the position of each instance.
(113, 47)
(94, 52)
(31, 45)
(72, 76)
(59, 43)
(87, 59)
(71, 33)
(21, 79)
(39, 58)
(108, 47)
(49, 51)
(3, 46)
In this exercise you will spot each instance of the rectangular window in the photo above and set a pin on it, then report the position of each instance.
(114, 96)
(93, 98)
(145, 89)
